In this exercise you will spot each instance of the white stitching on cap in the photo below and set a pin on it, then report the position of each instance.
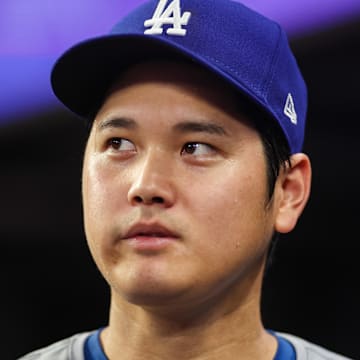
(289, 109)
(171, 15)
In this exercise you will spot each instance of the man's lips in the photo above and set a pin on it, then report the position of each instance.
(148, 231)
(149, 237)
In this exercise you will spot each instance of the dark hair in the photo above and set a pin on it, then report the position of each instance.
(277, 154)
(276, 149)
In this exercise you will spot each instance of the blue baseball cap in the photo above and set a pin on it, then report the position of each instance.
(244, 48)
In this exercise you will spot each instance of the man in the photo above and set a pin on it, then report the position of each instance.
(192, 167)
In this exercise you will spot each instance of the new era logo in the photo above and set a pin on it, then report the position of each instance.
(289, 109)
(169, 16)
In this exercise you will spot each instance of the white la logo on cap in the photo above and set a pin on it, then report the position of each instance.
(171, 15)
(289, 109)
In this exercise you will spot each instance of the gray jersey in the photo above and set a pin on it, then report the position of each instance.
(73, 349)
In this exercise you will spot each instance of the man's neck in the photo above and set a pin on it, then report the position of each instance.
(208, 333)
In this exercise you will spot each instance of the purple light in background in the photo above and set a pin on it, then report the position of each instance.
(25, 87)
(298, 17)
(43, 27)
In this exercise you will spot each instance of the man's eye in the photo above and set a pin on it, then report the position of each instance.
(120, 144)
(197, 149)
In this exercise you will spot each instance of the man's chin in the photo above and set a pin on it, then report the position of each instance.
(148, 296)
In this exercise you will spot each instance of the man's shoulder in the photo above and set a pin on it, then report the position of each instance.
(306, 350)
(67, 349)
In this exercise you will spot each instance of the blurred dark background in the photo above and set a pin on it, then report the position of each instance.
(51, 287)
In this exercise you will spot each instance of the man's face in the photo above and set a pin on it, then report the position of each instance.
(175, 189)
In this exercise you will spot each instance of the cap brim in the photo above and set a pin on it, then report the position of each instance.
(82, 75)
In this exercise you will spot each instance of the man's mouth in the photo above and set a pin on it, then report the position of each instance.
(149, 237)
(149, 230)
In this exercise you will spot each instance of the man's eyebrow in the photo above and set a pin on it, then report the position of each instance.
(117, 123)
(205, 127)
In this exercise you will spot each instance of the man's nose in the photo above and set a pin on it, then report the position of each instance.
(153, 182)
